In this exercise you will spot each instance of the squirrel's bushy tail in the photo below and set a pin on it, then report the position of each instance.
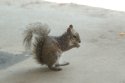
(35, 29)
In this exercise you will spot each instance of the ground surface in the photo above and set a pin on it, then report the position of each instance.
(100, 59)
(9, 59)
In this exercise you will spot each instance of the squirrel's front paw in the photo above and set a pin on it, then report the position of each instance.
(76, 45)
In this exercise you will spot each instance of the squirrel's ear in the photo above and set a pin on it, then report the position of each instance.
(70, 28)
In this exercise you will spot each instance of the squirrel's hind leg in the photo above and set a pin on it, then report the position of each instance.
(62, 64)
(54, 67)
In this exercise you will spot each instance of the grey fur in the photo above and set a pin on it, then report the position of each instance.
(48, 49)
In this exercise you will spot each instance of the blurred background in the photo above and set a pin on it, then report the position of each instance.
(108, 4)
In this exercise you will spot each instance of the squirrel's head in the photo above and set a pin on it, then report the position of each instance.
(74, 38)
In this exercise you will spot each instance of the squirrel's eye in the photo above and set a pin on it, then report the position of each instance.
(74, 36)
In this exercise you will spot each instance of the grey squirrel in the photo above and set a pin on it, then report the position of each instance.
(48, 49)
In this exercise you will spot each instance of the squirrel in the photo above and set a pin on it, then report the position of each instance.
(48, 49)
